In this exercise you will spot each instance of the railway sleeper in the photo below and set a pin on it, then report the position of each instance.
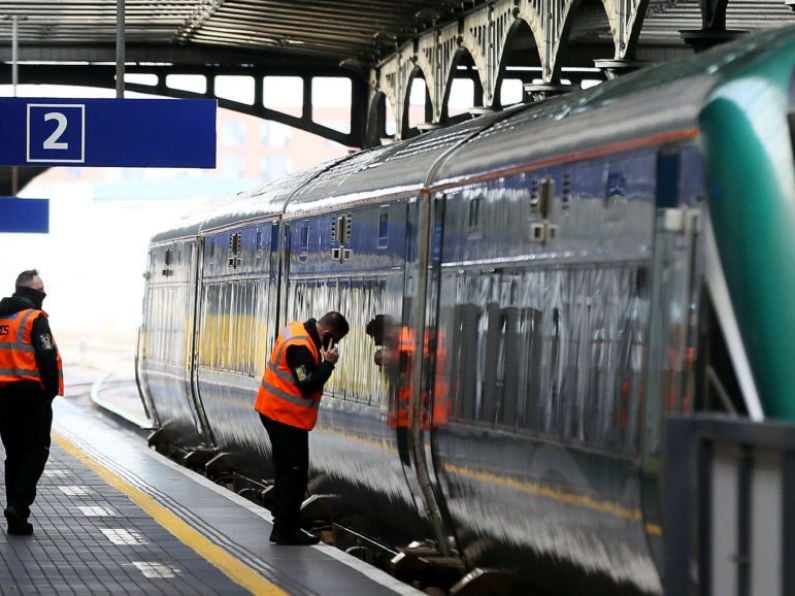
(220, 468)
(423, 566)
(258, 491)
(159, 440)
(196, 459)
(320, 507)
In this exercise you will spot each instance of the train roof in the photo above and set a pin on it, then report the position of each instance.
(260, 203)
(376, 174)
(650, 102)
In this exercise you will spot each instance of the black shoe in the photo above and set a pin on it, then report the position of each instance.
(294, 538)
(17, 525)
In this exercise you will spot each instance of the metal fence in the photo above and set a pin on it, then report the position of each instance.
(729, 490)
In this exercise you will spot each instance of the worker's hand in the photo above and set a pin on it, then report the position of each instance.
(330, 354)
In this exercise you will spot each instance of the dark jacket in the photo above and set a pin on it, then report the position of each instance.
(309, 378)
(43, 345)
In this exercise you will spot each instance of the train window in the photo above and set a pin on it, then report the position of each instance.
(474, 212)
(668, 175)
(167, 259)
(234, 250)
(258, 246)
(545, 196)
(383, 230)
(303, 242)
(558, 352)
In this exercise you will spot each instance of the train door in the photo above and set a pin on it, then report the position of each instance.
(166, 351)
(195, 331)
(676, 287)
(420, 309)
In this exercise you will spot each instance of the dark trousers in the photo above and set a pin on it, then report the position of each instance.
(291, 462)
(25, 422)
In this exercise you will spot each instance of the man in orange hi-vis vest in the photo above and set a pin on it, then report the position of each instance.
(31, 375)
(301, 362)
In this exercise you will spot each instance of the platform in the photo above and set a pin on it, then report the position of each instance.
(115, 517)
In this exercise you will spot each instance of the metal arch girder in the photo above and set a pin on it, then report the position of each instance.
(626, 19)
(548, 20)
(485, 34)
(103, 76)
(393, 79)
(436, 58)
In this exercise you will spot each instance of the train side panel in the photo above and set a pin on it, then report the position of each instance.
(238, 310)
(165, 357)
(352, 261)
(544, 320)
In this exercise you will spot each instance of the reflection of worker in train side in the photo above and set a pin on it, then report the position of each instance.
(395, 348)
(302, 361)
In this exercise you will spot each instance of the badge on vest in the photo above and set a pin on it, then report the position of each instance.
(300, 373)
(3, 329)
(46, 342)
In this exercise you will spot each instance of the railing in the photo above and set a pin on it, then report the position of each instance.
(729, 490)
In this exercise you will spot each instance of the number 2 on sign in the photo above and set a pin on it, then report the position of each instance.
(52, 141)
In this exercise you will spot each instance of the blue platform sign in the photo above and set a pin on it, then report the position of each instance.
(30, 216)
(168, 133)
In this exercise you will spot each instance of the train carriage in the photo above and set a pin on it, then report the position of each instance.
(560, 276)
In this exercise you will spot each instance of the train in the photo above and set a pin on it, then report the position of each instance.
(572, 272)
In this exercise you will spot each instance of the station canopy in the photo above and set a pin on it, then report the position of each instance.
(331, 34)
(360, 31)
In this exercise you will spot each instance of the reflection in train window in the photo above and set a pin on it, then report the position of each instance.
(553, 351)
(233, 325)
(359, 300)
(166, 340)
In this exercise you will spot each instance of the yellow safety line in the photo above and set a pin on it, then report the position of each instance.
(236, 571)
(551, 492)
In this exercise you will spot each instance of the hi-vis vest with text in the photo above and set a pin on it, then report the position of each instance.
(17, 354)
(278, 397)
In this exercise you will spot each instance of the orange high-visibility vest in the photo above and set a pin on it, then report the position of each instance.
(399, 412)
(17, 354)
(399, 415)
(278, 396)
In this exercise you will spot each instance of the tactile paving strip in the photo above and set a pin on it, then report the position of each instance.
(91, 539)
